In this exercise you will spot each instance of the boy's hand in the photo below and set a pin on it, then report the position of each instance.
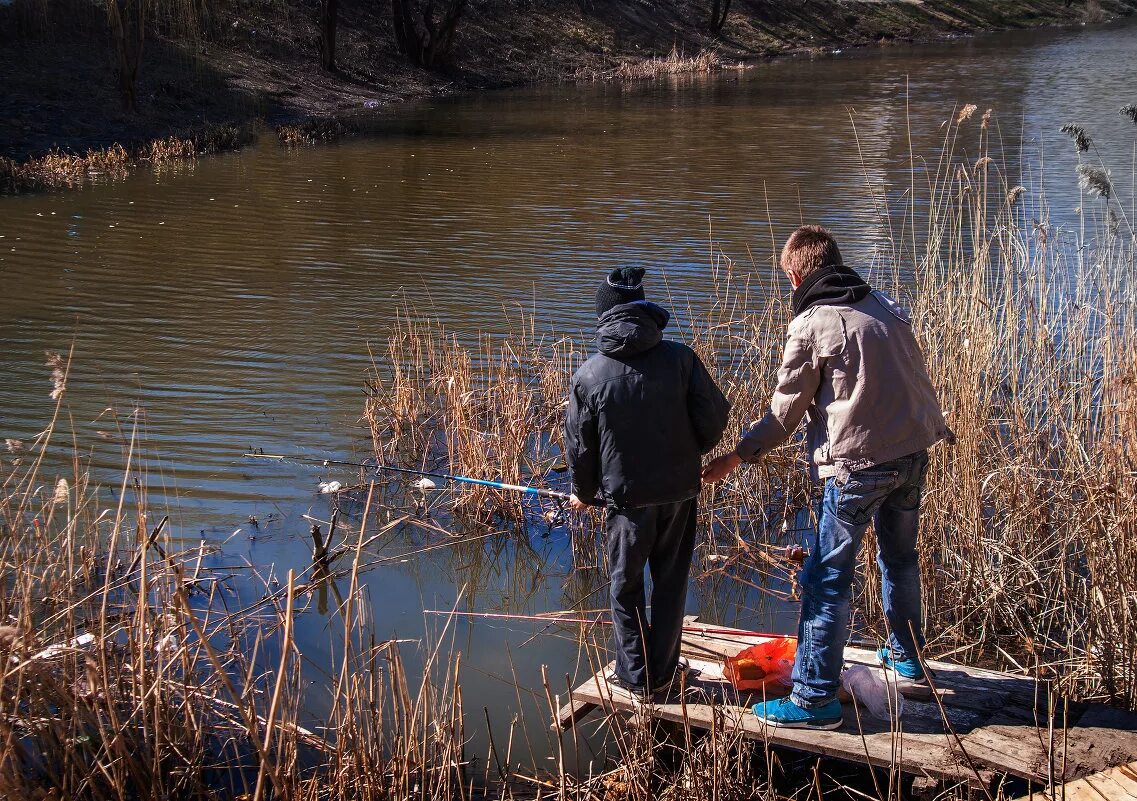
(720, 468)
(576, 504)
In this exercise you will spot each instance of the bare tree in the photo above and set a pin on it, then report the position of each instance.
(424, 29)
(719, 10)
(329, 17)
(128, 20)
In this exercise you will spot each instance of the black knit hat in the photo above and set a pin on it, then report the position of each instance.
(623, 285)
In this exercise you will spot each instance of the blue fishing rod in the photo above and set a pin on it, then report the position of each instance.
(382, 468)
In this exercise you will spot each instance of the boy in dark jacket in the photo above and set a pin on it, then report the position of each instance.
(642, 413)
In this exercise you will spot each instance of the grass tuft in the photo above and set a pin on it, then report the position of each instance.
(674, 63)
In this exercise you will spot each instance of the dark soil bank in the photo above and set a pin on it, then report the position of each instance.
(206, 62)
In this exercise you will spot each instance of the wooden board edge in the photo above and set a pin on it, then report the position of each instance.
(572, 713)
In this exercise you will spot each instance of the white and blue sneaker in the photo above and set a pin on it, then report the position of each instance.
(911, 681)
(784, 713)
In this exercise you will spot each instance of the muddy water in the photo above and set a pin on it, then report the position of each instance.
(233, 303)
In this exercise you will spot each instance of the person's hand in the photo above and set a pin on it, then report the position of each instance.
(576, 504)
(720, 468)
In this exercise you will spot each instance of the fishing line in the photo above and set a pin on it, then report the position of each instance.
(556, 518)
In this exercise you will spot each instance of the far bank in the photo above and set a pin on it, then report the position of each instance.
(191, 78)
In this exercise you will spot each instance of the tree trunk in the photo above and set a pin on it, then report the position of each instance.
(429, 43)
(128, 20)
(406, 35)
(329, 14)
(719, 10)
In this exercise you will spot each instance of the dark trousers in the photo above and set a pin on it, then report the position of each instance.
(662, 538)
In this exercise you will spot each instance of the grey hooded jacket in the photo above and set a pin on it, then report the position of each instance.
(856, 372)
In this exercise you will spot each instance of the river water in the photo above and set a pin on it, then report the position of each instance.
(234, 302)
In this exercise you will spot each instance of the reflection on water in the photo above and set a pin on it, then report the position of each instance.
(235, 301)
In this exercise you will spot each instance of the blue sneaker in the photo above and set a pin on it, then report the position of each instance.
(909, 674)
(784, 713)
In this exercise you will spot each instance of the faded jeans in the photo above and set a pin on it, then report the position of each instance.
(887, 495)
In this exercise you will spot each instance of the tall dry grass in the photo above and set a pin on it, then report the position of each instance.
(1030, 553)
(131, 670)
(60, 170)
(487, 411)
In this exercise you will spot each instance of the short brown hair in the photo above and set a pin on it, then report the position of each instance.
(809, 248)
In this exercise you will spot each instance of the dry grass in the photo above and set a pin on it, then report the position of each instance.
(1030, 522)
(58, 170)
(312, 131)
(130, 672)
(488, 412)
(674, 63)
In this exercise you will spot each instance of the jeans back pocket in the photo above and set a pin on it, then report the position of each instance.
(863, 493)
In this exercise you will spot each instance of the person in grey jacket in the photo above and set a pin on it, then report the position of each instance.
(642, 412)
(853, 369)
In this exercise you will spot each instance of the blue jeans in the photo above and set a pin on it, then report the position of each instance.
(888, 495)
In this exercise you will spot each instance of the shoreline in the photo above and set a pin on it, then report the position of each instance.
(62, 127)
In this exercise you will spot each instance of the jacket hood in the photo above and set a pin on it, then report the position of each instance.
(831, 285)
(631, 328)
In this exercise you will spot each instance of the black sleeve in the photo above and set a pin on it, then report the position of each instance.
(582, 447)
(708, 407)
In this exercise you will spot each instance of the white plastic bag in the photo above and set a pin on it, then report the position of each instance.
(870, 690)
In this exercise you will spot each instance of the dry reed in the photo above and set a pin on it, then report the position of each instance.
(674, 63)
(59, 170)
(127, 674)
(312, 131)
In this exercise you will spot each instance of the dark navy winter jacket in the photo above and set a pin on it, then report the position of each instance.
(642, 413)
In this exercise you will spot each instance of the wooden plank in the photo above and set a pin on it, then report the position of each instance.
(1103, 737)
(1112, 784)
(862, 740)
(1012, 741)
(958, 690)
(1118, 783)
(953, 675)
(1001, 721)
(1011, 750)
(576, 709)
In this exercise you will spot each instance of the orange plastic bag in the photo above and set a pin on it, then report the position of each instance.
(764, 667)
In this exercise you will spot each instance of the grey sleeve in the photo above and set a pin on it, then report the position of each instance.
(798, 380)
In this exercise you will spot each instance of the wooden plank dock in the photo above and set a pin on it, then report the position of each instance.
(998, 724)
(1115, 784)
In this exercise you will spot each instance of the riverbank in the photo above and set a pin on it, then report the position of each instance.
(208, 78)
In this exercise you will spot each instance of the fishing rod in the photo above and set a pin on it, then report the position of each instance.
(379, 468)
(553, 619)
